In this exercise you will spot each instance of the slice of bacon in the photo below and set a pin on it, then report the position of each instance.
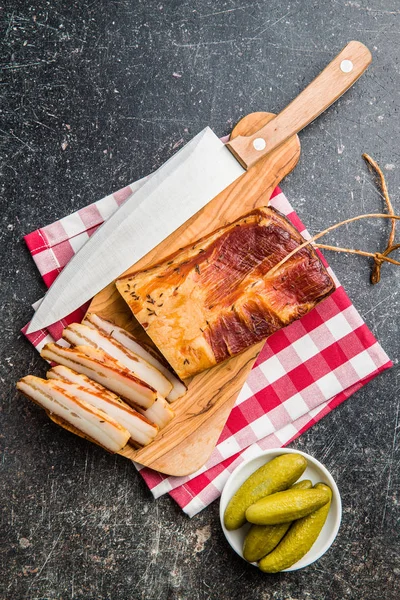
(159, 413)
(215, 298)
(89, 420)
(79, 334)
(107, 371)
(141, 430)
(146, 352)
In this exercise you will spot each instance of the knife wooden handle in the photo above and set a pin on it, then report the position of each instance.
(334, 80)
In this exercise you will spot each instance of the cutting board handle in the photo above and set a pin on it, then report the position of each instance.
(334, 80)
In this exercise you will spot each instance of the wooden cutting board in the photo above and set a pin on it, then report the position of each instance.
(186, 443)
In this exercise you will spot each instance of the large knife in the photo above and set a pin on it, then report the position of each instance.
(182, 186)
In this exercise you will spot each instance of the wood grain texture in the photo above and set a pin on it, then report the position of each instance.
(330, 84)
(187, 442)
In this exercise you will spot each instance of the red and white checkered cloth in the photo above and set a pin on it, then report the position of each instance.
(302, 373)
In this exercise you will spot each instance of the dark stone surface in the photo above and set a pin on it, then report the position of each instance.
(95, 95)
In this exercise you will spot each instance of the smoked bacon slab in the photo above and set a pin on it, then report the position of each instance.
(214, 298)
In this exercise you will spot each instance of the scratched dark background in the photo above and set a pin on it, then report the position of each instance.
(95, 94)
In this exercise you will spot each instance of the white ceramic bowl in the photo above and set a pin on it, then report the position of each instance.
(314, 471)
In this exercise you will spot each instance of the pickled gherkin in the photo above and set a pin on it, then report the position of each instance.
(299, 539)
(276, 475)
(286, 506)
(262, 539)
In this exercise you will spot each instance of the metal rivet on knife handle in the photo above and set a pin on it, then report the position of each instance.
(334, 80)
(259, 144)
(346, 66)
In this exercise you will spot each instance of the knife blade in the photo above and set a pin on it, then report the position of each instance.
(182, 186)
(134, 229)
